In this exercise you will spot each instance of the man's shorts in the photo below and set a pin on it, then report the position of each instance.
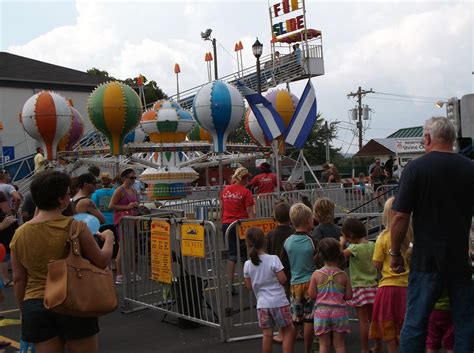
(233, 244)
(39, 324)
(302, 306)
(271, 317)
(440, 330)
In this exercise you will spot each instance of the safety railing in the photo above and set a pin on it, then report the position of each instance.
(204, 209)
(174, 266)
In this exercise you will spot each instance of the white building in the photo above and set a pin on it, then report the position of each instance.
(20, 78)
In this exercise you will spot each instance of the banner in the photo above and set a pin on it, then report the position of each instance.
(161, 252)
(192, 240)
(265, 224)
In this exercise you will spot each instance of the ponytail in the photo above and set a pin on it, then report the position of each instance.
(256, 241)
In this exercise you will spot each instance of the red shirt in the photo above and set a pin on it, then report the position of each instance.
(235, 200)
(265, 182)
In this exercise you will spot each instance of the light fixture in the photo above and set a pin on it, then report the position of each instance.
(439, 104)
(206, 35)
(257, 49)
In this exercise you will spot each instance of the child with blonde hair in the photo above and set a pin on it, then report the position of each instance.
(324, 214)
(390, 301)
(298, 255)
(363, 275)
(264, 275)
(331, 287)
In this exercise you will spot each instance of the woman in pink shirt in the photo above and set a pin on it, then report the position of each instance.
(236, 203)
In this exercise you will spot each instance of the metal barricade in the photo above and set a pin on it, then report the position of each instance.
(264, 204)
(205, 209)
(372, 222)
(193, 292)
(296, 196)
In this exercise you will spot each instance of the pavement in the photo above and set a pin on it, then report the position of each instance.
(144, 331)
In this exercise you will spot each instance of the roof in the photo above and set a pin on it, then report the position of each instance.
(18, 71)
(391, 146)
(408, 132)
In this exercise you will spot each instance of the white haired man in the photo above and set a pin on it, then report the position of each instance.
(438, 190)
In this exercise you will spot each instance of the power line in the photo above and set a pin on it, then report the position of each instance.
(410, 96)
(403, 100)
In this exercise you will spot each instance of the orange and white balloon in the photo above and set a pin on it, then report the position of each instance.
(47, 117)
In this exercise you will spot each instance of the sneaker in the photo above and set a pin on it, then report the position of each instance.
(119, 279)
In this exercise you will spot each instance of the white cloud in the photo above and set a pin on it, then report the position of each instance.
(416, 48)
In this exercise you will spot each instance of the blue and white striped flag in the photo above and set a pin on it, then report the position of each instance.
(268, 118)
(303, 119)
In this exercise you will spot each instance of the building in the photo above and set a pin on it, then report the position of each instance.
(20, 78)
(403, 145)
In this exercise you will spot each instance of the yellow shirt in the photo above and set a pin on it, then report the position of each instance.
(36, 244)
(39, 163)
(381, 254)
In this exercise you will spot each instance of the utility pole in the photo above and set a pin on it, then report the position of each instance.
(360, 92)
(327, 142)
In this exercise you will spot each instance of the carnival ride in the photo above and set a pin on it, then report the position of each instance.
(180, 141)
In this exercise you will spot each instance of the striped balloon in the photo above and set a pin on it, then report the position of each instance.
(167, 122)
(199, 134)
(114, 109)
(284, 103)
(136, 136)
(254, 130)
(219, 108)
(74, 134)
(46, 117)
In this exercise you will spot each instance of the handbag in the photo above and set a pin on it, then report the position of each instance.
(76, 287)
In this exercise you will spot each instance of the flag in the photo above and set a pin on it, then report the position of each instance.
(268, 118)
(303, 119)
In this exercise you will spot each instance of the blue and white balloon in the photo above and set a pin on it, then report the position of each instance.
(218, 107)
(135, 136)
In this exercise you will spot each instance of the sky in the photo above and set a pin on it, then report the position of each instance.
(411, 53)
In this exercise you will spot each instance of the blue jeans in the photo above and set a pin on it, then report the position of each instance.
(424, 289)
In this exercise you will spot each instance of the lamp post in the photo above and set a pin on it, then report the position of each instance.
(206, 35)
(257, 49)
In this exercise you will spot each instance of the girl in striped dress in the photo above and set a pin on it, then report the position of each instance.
(363, 276)
(331, 287)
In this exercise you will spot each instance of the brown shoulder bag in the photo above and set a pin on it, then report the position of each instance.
(76, 287)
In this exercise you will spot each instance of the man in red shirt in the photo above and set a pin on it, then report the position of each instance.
(236, 203)
(266, 181)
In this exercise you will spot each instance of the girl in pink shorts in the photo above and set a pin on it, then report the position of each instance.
(264, 275)
(331, 287)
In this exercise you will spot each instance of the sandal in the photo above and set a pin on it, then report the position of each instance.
(8, 283)
(277, 339)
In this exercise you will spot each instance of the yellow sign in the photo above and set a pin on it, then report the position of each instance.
(161, 251)
(265, 224)
(192, 240)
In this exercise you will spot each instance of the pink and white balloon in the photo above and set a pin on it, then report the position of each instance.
(46, 117)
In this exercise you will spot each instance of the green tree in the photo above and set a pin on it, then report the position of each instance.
(315, 147)
(240, 135)
(151, 89)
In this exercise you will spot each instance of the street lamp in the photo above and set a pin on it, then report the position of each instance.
(206, 35)
(257, 49)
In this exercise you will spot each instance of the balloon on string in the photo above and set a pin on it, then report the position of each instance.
(219, 108)
(46, 117)
(75, 132)
(91, 221)
(114, 109)
(3, 252)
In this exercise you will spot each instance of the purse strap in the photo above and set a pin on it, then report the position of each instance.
(73, 238)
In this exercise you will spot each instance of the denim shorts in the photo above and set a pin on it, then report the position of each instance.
(39, 324)
(233, 244)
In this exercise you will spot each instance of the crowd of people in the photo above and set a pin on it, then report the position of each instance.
(411, 289)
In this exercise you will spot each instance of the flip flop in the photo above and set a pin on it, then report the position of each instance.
(277, 339)
(8, 283)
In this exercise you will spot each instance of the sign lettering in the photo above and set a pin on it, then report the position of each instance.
(265, 224)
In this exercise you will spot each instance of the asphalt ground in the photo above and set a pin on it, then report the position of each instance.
(145, 331)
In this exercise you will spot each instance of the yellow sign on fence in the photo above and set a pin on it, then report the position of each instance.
(160, 252)
(266, 224)
(192, 240)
